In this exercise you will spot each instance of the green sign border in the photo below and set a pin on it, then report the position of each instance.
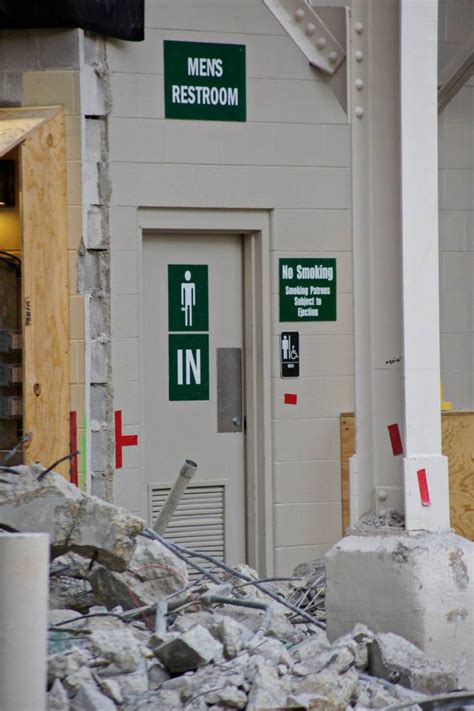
(328, 307)
(176, 55)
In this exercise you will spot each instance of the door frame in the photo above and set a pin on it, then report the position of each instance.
(254, 227)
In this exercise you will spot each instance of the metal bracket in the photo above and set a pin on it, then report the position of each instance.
(455, 73)
(309, 32)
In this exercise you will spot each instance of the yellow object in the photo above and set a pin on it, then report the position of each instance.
(10, 230)
(444, 405)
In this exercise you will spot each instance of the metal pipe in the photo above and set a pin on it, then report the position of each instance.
(186, 473)
(24, 560)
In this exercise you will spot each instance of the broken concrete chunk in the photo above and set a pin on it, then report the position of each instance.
(232, 635)
(280, 627)
(152, 574)
(230, 698)
(395, 659)
(73, 682)
(191, 650)
(267, 690)
(61, 665)
(310, 648)
(111, 688)
(74, 520)
(132, 683)
(67, 592)
(273, 652)
(117, 647)
(157, 701)
(336, 689)
(89, 698)
(58, 698)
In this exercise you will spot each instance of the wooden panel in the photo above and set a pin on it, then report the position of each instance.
(347, 450)
(45, 293)
(457, 444)
(16, 124)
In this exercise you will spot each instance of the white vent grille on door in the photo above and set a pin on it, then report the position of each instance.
(198, 522)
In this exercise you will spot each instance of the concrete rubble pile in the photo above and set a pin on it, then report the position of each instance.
(138, 623)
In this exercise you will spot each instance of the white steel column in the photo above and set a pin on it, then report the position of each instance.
(24, 559)
(377, 478)
(419, 181)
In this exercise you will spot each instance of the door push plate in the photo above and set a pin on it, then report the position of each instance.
(229, 390)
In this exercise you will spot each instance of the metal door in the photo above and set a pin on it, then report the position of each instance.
(193, 385)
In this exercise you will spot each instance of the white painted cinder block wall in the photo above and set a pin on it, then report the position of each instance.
(292, 156)
(456, 217)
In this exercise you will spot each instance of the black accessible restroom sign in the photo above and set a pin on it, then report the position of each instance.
(290, 354)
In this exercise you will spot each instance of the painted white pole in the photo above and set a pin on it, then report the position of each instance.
(186, 473)
(425, 469)
(24, 559)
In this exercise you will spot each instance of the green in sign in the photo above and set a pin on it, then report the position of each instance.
(308, 289)
(188, 360)
(205, 81)
(188, 300)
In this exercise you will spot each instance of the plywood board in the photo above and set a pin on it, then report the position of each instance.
(457, 444)
(16, 124)
(45, 293)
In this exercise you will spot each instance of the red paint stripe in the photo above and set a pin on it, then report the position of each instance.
(118, 439)
(395, 439)
(290, 399)
(122, 440)
(73, 471)
(423, 487)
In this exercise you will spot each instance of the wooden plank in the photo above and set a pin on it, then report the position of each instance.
(16, 124)
(347, 450)
(458, 445)
(45, 293)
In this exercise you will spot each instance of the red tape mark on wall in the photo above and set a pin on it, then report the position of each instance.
(73, 471)
(290, 399)
(122, 440)
(395, 439)
(423, 487)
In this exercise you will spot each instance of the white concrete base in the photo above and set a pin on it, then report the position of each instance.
(417, 585)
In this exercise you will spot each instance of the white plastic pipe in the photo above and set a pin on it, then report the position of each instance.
(186, 473)
(24, 559)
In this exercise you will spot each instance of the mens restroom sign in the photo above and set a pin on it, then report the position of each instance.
(204, 81)
(188, 351)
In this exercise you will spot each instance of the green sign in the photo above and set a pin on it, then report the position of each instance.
(308, 289)
(188, 300)
(188, 366)
(205, 81)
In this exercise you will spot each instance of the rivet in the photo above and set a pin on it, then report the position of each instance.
(382, 495)
(299, 14)
(321, 42)
(359, 111)
(332, 56)
(359, 84)
(359, 27)
(359, 55)
(310, 29)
